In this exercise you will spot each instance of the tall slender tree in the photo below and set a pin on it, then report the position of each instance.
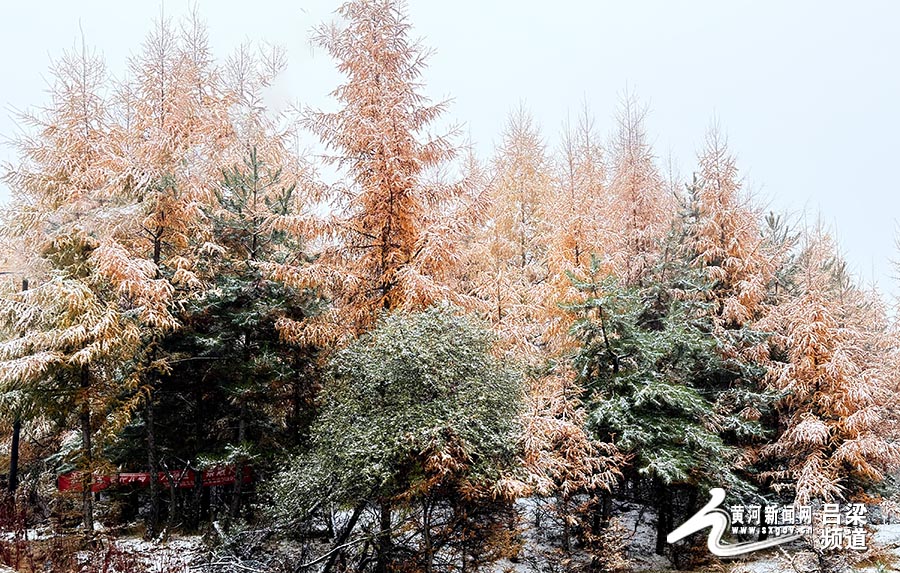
(641, 209)
(578, 217)
(172, 131)
(510, 246)
(79, 316)
(725, 238)
(389, 241)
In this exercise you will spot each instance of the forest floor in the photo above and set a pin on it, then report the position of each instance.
(189, 554)
(124, 553)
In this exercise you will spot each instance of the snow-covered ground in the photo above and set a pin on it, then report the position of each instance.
(178, 554)
(37, 534)
(183, 554)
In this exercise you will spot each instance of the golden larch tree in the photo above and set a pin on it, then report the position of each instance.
(726, 239)
(511, 244)
(68, 333)
(836, 396)
(579, 220)
(642, 208)
(172, 134)
(388, 237)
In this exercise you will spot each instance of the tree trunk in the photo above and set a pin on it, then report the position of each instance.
(238, 470)
(384, 538)
(87, 499)
(14, 457)
(173, 495)
(426, 535)
(205, 502)
(14, 449)
(153, 516)
(354, 517)
(197, 500)
(197, 497)
(152, 462)
(763, 526)
(662, 517)
(602, 512)
(606, 508)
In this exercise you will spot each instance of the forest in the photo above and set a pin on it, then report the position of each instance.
(397, 355)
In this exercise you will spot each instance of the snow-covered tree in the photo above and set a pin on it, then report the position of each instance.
(388, 240)
(416, 413)
(63, 342)
(86, 293)
(642, 208)
(725, 238)
(831, 348)
(561, 458)
(510, 246)
(651, 368)
(580, 229)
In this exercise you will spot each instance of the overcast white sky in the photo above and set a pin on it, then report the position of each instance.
(807, 92)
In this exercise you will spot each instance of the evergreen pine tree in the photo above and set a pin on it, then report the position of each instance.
(651, 368)
(420, 414)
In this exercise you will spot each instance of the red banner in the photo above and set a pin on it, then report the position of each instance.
(220, 475)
